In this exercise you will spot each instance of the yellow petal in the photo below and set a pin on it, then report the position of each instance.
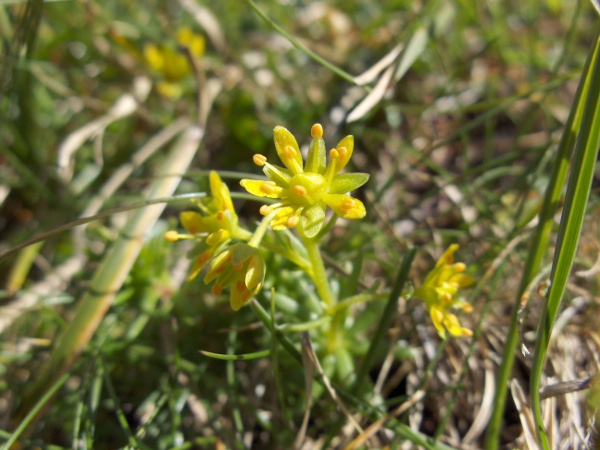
(200, 263)
(288, 150)
(262, 188)
(220, 192)
(345, 206)
(448, 256)
(348, 144)
(280, 222)
(193, 222)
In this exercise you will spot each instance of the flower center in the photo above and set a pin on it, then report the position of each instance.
(306, 189)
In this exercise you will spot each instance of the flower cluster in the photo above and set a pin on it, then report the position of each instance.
(439, 292)
(214, 229)
(240, 266)
(305, 189)
(171, 63)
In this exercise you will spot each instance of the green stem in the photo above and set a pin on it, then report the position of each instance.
(346, 76)
(319, 275)
(261, 230)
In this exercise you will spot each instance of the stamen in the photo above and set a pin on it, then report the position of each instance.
(289, 151)
(220, 215)
(316, 131)
(348, 204)
(265, 210)
(259, 159)
(217, 290)
(342, 151)
(467, 332)
(172, 236)
(459, 267)
(467, 308)
(334, 153)
(300, 190)
(268, 187)
(292, 221)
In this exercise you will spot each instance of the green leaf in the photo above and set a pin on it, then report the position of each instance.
(347, 182)
(312, 219)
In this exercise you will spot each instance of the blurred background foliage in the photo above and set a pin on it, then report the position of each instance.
(458, 146)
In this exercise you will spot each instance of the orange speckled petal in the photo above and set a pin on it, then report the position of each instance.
(345, 206)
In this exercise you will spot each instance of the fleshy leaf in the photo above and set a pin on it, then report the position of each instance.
(312, 219)
(347, 182)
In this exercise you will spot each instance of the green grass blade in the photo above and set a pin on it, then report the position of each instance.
(538, 248)
(243, 357)
(35, 410)
(578, 190)
(386, 318)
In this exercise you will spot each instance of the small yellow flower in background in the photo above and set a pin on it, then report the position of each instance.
(305, 189)
(171, 63)
(214, 229)
(439, 292)
(240, 266)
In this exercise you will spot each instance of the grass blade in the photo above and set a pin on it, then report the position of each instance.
(578, 190)
(538, 248)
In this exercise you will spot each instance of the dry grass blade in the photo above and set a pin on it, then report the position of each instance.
(308, 348)
(125, 105)
(114, 269)
(376, 426)
(207, 20)
(525, 414)
(485, 409)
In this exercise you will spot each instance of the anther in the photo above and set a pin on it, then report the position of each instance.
(172, 236)
(300, 190)
(289, 151)
(316, 131)
(220, 215)
(217, 290)
(348, 204)
(268, 187)
(467, 332)
(259, 159)
(334, 153)
(459, 267)
(240, 286)
(467, 308)
(292, 221)
(342, 151)
(265, 210)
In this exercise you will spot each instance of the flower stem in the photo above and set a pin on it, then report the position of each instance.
(261, 230)
(319, 275)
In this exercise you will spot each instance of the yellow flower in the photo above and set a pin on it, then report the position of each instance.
(171, 62)
(213, 229)
(439, 292)
(306, 188)
(240, 266)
